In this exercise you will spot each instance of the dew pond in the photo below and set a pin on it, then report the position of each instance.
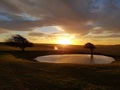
(76, 59)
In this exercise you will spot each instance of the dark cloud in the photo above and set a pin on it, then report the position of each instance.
(72, 15)
(36, 34)
(105, 36)
(24, 25)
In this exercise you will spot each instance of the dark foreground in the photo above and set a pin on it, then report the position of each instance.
(18, 71)
(18, 74)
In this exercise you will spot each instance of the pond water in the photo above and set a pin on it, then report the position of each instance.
(76, 59)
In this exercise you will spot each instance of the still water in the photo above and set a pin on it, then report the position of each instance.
(76, 59)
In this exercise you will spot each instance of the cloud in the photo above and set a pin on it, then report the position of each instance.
(104, 34)
(37, 34)
(74, 16)
(51, 35)
(24, 25)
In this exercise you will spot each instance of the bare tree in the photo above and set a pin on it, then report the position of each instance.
(91, 47)
(19, 41)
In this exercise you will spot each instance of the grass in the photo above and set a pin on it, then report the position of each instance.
(18, 72)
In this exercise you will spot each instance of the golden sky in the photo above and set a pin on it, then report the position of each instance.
(61, 21)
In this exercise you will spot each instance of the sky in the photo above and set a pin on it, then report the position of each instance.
(55, 21)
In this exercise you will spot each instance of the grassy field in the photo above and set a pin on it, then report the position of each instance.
(18, 71)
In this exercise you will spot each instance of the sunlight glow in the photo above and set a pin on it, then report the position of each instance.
(55, 48)
(64, 41)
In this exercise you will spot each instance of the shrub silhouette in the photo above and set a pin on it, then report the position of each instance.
(19, 41)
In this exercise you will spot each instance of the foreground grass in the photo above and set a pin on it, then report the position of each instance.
(18, 71)
(20, 74)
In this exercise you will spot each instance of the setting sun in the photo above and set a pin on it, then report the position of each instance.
(64, 41)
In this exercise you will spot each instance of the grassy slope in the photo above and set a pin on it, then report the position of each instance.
(18, 73)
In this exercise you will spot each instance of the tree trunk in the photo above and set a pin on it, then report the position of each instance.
(22, 49)
(91, 53)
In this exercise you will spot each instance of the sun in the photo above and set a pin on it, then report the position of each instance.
(64, 41)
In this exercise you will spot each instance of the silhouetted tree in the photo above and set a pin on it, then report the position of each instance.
(19, 41)
(91, 47)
